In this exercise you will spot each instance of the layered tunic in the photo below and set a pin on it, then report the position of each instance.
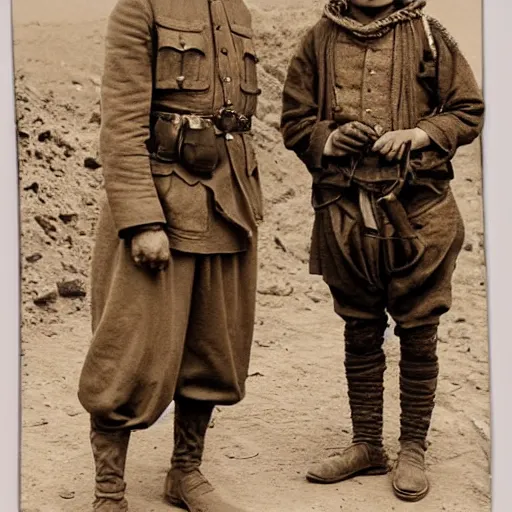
(385, 74)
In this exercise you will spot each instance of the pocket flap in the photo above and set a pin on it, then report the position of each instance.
(167, 169)
(242, 30)
(180, 25)
(181, 41)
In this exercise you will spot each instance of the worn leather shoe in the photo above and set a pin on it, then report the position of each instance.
(192, 491)
(110, 505)
(410, 482)
(356, 460)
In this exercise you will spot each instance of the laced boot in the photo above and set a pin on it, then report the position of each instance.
(185, 485)
(365, 365)
(419, 370)
(109, 451)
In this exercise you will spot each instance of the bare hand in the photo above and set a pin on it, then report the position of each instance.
(392, 144)
(150, 249)
(349, 138)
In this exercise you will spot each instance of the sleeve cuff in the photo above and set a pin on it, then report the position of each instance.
(128, 233)
(436, 134)
(314, 155)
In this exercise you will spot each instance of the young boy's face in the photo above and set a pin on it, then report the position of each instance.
(371, 3)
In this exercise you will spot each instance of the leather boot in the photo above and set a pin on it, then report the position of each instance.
(410, 481)
(358, 459)
(109, 451)
(419, 370)
(185, 485)
(365, 364)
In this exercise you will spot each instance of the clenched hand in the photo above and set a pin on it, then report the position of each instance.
(150, 249)
(349, 138)
(392, 144)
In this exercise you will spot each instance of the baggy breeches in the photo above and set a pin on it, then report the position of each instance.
(362, 286)
(186, 331)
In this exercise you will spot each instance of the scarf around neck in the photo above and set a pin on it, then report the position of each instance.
(406, 25)
(336, 11)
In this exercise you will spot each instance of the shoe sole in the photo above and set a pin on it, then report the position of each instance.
(409, 497)
(373, 471)
(176, 503)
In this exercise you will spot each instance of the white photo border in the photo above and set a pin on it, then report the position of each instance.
(9, 276)
(497, 211)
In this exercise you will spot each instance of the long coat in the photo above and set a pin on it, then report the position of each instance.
(188, 328)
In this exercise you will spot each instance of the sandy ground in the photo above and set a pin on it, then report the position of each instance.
(295, 411)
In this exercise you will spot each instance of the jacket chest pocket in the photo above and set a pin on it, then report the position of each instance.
(242, 37)
(182, 57)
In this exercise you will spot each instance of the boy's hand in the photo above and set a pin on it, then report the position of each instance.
(150, 249)
(349, 138)
(392, 144)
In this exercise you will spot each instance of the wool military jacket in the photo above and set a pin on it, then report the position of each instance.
(179, 56)
(334, 74)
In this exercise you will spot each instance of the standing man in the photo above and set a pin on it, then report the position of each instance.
(377, 100)
(174, 265)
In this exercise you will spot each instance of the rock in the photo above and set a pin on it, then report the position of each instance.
(280, 243)
(95, 118)
(46, 298)
(34, 257)
(69, 268)
(45, 224)
(482, 428)
(315, 298)
(96, 80)
(33, 186)
(91, 163)
(71, 289)
(40, 423)
(68, 217)
(277, 291)
(67, 495)
(263, 344)
(57, 170)
(44, 136)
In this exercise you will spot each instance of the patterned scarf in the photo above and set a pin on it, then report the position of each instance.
(336, 10)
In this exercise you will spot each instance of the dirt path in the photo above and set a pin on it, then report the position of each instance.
(296, 409)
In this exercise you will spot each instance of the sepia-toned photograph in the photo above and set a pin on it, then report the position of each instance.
(253, 262)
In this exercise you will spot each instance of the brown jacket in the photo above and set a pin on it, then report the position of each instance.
(167, 55)
(330, 73)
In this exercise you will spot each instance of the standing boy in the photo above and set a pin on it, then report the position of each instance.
(377, 100)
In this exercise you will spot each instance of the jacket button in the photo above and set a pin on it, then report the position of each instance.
(180, 80)
(227, 79)
(372, 72)
(368, 110)
(224, 51)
